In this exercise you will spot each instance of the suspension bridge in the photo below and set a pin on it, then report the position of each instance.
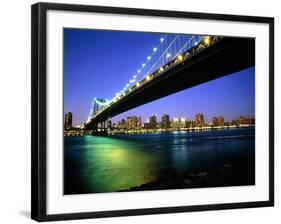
(176, 63)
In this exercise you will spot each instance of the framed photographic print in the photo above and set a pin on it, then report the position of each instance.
(138, 111)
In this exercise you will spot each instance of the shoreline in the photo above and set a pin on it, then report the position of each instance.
(195, 129)
(225, 175)
(81, 132)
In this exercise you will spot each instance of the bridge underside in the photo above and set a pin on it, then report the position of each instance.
(227, 56)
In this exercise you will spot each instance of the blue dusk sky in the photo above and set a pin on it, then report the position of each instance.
(99, 63)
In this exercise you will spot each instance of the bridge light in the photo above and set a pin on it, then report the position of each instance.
(161, 69)
(130, 90)
(138, 84)
(154, 49)
(148, 58)
(147, 78)
(207, 40)
(168, 55)
(139, 71)
(127, 85)
(162, 39)
(179, 57)
(196, 43)
(134, 76)
(143, 65)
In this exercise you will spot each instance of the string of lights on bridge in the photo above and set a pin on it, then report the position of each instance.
(172, 51)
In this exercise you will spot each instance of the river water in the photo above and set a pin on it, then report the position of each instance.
(94, 164)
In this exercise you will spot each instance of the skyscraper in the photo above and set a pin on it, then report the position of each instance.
(182, 123)
(68, 120)
(165, 122)
(215, 122)
(152, 124)
(199, 120)
(175, 123)
(121, 124)
(133, 123)
(221, 121)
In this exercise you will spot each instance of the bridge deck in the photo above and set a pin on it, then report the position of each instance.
(227, 56)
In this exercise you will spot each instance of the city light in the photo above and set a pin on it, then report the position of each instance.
(179, 57)
(207, 40)
(147, 78)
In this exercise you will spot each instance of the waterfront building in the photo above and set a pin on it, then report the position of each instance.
(221, 121)
(121, 124)
(245, 120)
(182, 123)
(165, 121)
(215, 122)
(175, 123)
(199, 120)
(146, 125)
(189, 124)
(133, 123)
(68, 120)
(152, 121)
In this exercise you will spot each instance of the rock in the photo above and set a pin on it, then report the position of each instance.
(187, 181)
(202, 174)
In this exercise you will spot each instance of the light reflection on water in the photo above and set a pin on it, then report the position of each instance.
(107, 164)
(113, 164)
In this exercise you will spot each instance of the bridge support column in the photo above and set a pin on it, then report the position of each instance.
(103, 126)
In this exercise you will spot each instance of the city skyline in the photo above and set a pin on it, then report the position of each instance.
(199, 117)
(83, 81)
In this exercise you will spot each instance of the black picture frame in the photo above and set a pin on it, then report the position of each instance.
(38, 108)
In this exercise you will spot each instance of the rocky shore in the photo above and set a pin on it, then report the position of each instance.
(224, 175)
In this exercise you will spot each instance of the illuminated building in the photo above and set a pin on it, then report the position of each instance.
(152, 124)
(165, 121)
(215, 122)
(199, 120)
(189, 124)
(221, 121)
(133, 123)
(68, 120)
(175, 123)
(121, 124)
(182, 123)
